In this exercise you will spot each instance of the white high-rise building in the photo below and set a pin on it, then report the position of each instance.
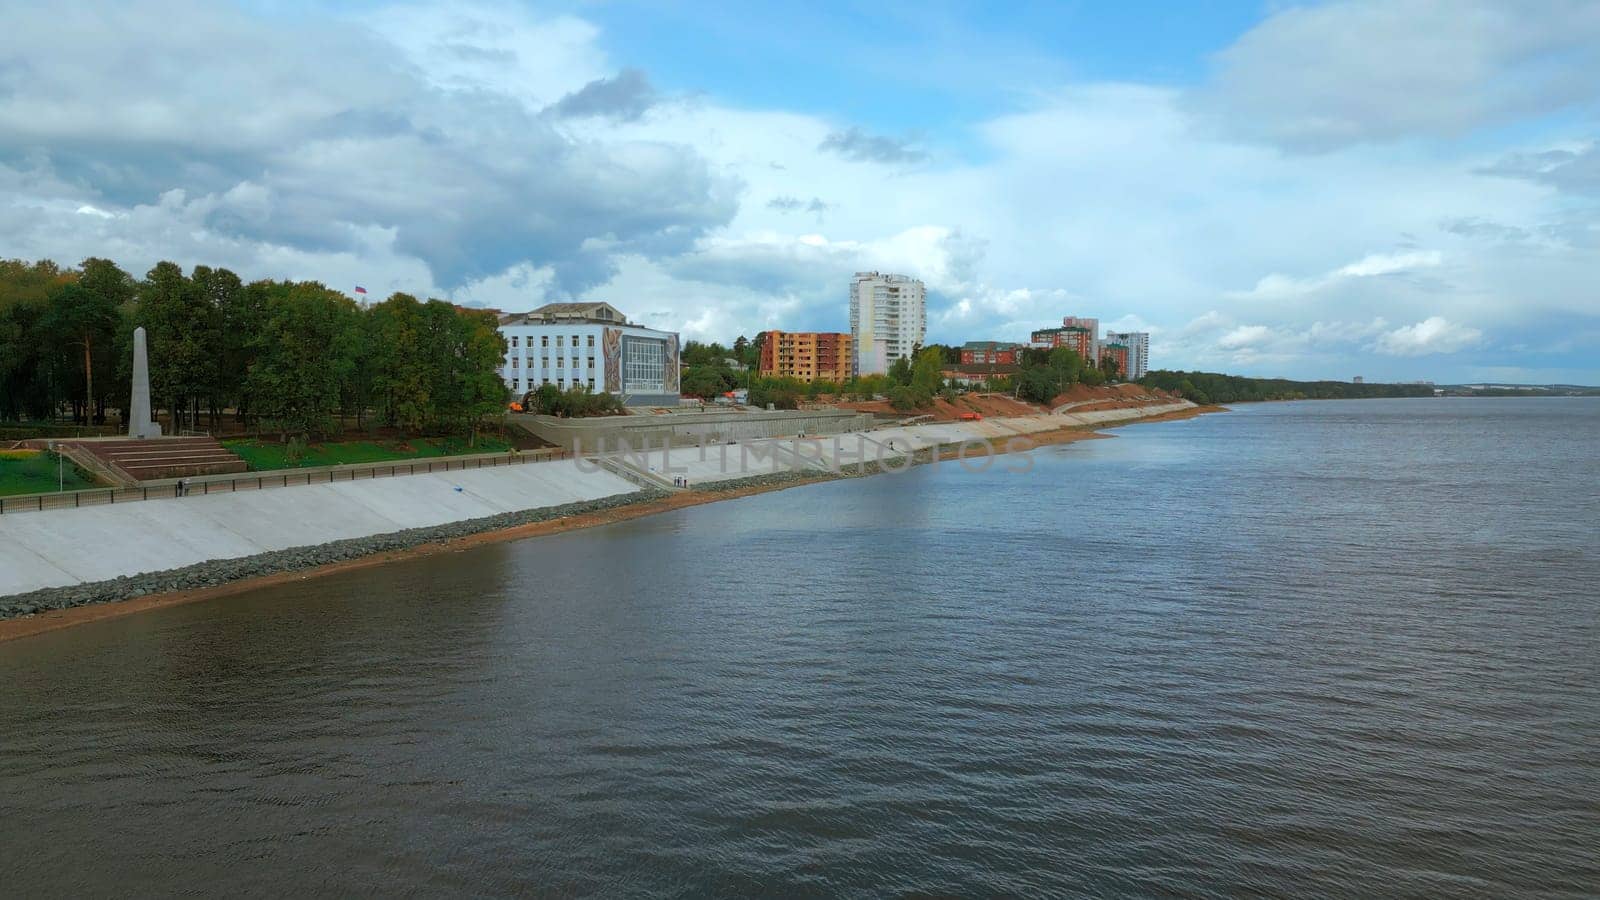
(888, 319)
(1138, 344)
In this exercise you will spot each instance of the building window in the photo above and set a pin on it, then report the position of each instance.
(514, 341)
(644, 365)
(591, 384)
(516, 384)
(591, 362)
(544, 362)
(591, 340)
(561, 362)
(544, 340)
(559, 339)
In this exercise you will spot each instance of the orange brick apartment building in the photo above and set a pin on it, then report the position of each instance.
(807, 355)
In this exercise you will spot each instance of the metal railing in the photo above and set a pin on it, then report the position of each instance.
(203, 485)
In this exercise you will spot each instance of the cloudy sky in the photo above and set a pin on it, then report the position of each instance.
(1404, 189)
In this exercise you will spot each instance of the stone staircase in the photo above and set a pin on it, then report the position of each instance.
(174, 457)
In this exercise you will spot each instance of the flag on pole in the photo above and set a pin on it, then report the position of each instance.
(360, 289)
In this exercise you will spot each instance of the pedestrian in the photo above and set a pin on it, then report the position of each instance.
(183, 487)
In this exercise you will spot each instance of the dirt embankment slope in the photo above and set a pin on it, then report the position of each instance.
(1083, 397)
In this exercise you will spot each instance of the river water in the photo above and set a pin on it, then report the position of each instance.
(1328, 648)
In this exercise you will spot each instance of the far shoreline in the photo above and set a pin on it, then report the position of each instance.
(58, 619)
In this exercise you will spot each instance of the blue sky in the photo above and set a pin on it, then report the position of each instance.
(1406, 189)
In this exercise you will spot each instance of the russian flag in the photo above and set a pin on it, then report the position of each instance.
(360, 289)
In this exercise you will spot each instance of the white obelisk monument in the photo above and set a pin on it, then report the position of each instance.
(140, 423)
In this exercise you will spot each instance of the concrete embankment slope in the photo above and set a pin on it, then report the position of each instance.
(77, 556)
(885, 446)
(78, 546)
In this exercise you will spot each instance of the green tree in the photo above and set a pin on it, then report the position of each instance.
(1038, 384)
(705, 382)
(900, 371)
(927, 372)
(400, 386)
(181, 329)
(81, 322)
(295, 379)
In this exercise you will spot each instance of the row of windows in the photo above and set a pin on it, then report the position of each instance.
(516, 383)
(544, 362)
(544, 340)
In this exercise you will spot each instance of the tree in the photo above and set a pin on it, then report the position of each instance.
(399, 382)
(705, 382)
(218, 291)
(900, 371)
(79, 317)
(927, 372)
(1109, 367)
(295, 380)
(1067, 365)
(1038, 384)
(182, 333)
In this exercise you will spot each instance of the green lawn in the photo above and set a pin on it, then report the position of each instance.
(268, 455)
(34, 472)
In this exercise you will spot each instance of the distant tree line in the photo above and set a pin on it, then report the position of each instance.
(1214, 387)
(282, 356)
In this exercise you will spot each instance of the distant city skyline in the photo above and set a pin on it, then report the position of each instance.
(1403, 189)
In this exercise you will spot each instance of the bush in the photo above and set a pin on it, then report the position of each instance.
(574, 402)
(906, 398)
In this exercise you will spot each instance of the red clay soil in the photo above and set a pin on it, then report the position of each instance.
(1111, 396)
(986, 405)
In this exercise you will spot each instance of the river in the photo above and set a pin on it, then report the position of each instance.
(1329, 648)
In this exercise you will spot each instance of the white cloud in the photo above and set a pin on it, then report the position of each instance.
(415, 149)
(1278, 286)
(1434, 334)
(1245, 336)
(1318, 77)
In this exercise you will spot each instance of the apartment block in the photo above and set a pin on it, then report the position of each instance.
(1138, 344)
(808, 355)
(888, 319)
(977, 353)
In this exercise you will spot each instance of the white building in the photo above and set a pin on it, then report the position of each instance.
(888, 319)
(1138, 344)
(590, 344)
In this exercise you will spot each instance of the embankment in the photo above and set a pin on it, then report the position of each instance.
(61, 567)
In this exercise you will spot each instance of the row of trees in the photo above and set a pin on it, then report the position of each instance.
(290, 357)
(1046, 374)
(578, 400)
(1215, 387)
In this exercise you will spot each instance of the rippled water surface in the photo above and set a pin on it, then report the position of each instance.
(1339, 648)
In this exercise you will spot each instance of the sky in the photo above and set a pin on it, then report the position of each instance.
(1401, 190)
